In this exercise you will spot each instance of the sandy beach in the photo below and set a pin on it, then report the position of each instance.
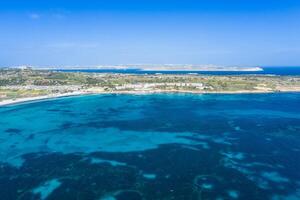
(37, 98)
(90, 92)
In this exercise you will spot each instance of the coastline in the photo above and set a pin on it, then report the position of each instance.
(8, 102)
(38, 98)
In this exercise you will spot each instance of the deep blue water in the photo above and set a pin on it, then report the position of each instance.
(286, 71)
(162, 146)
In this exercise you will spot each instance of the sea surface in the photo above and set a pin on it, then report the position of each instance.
(285, 71)
(158, 146)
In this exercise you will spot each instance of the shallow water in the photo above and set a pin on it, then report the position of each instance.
(152, 147)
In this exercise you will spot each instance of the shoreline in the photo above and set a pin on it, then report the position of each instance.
(17, 101)
(39, 98)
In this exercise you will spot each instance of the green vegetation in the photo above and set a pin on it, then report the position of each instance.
(16, 83)
(14, 94)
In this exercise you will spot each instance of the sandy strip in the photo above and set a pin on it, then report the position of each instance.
(50, 96)
(137, 92)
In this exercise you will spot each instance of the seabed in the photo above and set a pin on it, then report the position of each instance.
(156, 146)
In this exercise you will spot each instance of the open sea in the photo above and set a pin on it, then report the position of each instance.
(158, 146)
(286, 71)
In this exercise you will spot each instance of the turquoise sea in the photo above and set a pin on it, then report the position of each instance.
(160, 146)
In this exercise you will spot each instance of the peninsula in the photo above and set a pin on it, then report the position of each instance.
(18, 85)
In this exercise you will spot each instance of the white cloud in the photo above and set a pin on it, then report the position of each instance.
(34, 16)
(58, 16)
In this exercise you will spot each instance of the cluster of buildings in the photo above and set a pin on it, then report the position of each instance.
(149, 86)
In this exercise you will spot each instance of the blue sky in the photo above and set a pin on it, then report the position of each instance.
(90, 32)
